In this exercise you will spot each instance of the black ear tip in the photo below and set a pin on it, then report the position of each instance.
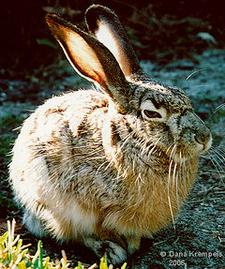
(53, 19)
(95, 13)
(55, 22)
(91, 17)
(49, 17)
(96, 8)
(99, 10)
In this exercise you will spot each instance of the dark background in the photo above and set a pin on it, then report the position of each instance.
(160, 30)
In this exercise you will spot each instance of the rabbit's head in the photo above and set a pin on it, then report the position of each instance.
(161, 117)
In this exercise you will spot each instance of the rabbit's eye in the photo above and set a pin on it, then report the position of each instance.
(152, 114)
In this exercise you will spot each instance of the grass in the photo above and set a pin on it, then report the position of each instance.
(15, 255)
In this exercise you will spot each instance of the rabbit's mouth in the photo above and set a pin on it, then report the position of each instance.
(186, 149)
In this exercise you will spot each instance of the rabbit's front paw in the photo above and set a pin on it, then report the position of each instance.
(115, 254)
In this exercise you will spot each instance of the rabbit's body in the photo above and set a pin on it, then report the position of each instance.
(106, 169)
(88, 173)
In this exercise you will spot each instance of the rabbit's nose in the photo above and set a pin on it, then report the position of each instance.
(204, 138)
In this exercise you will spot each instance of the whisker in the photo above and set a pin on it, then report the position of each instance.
(174, 174)
(168, 194)
(151, 151)
(222, 106)
(216, 165)
(183, 172)
(220, 152)
(173, 151)
(168, 149)
(195, 72)
(220, 161)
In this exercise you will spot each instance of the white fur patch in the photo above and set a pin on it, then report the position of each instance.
(82, 222)
(33, 224)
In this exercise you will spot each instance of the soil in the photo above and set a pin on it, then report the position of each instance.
(197, 240)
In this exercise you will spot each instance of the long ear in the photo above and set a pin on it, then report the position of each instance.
(105, 25)
(91, 59)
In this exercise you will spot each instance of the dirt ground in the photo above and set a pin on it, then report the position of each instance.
(197, 241)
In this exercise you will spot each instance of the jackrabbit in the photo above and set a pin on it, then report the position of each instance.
(106, 167)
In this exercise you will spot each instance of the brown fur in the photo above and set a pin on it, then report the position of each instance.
(94, 167)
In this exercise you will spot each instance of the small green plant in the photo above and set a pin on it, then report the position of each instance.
(15, 255)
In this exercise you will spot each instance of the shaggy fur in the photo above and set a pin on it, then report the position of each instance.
(106, 168)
